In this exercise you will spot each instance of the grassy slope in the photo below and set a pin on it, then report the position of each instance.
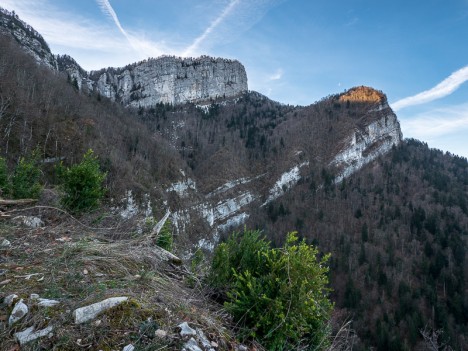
(78, 265)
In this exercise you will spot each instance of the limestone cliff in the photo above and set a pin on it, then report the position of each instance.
(375, 137)
(166, 79)
(27, 37)
(170, 80)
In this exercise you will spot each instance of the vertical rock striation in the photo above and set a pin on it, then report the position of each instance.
(171, 80)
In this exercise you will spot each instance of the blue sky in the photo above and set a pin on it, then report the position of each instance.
(294, 51)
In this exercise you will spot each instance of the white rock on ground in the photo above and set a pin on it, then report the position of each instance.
(129, 347)
(204, 340)
(160, 333)
(186, 330)
(47, 302)
(87, 313)
(43, 302)
(191, 345)
(4, 243)
(8, 300)
(29, 221)
(29, 334)
(19, 311)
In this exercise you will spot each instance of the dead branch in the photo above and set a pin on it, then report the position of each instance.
(17, 202)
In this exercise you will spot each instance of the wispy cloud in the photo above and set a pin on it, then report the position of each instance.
(61, 28)
(93, 43)
(437, 122)
(108, 10)
(444, 88)
(352, 22)
(236, 18)
(96, 43)
(143, 47)
(277, 75)
(193, 48)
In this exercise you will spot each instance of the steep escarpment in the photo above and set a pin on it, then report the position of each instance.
(368, 140)
(170, 80)
(167, 80)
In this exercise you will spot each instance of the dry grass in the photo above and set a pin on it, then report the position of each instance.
(78, 265)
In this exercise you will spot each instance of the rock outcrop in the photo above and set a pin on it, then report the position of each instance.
(376, 137)
(166, 79)
(170, 80)
(27, 37)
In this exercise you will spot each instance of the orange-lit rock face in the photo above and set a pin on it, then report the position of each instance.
(362, 94)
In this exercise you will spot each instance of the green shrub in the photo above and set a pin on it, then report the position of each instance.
(241, 252)
(279, 295)
(25, 180)
(82, 184)
(165, 239)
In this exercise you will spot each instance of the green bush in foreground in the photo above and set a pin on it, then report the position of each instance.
(241, 252)
(25, 179)
(279, 295)
(82, 184)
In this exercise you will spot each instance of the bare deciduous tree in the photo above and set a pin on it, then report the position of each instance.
(432, 339)
(4, 105)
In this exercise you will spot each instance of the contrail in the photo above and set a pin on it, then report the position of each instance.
(192, 48)
(444, 88)
(108, 10)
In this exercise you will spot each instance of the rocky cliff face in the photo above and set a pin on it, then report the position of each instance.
(27, 37)
(370, 140)
(170, 80)
(76, 74)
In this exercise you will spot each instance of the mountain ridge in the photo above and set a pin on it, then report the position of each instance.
(166, 79)
(341, 133)
(338, 171)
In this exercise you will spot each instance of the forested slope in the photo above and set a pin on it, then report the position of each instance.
(397, 231)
